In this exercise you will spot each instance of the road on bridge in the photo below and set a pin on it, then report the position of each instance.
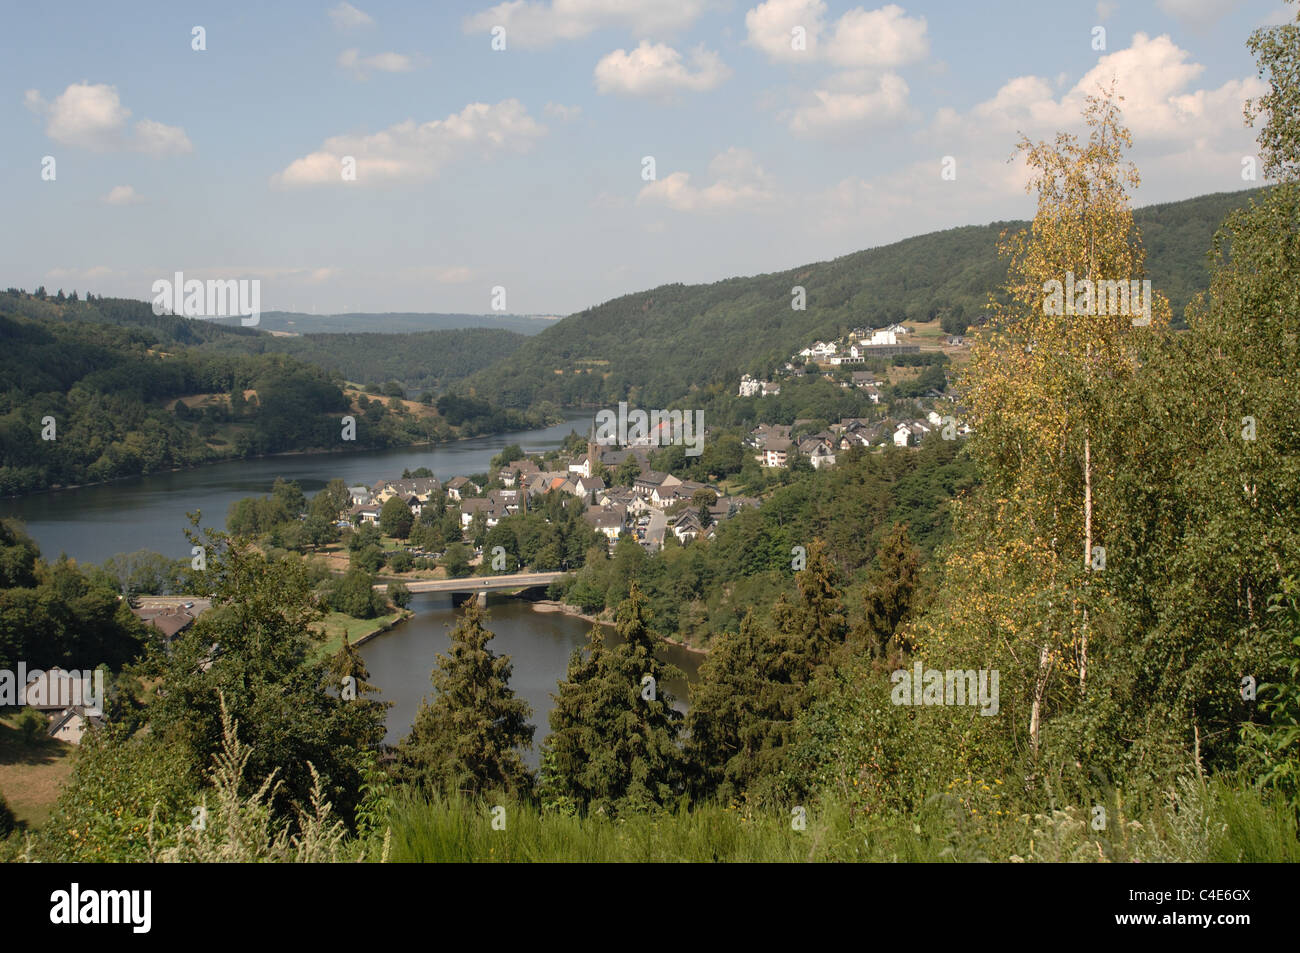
(519, 580)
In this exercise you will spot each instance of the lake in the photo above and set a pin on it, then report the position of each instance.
(93, 523)
(539, 644)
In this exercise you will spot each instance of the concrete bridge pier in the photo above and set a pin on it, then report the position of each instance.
(462, 597)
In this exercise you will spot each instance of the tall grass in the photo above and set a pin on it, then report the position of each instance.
(1202, 821)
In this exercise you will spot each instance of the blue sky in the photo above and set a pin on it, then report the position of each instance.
(523, 168)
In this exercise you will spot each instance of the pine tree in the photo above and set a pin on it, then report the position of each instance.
(613, 742)
(756, 684)
(814, 625)
(469, 737)
(735, 705)
(890, 590)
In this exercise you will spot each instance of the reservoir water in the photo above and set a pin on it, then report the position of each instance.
(539, 644)
(93, 523)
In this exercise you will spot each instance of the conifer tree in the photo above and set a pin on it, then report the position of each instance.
(469, 737)
(757, 683)
(613, 743)
(890, 590)
(735, 706)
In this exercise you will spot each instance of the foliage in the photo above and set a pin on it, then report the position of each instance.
(242, 827)
(613, 742)
(469, 737)
(58, 614)
(256, 647)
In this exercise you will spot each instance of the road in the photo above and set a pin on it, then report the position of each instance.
(519, 580)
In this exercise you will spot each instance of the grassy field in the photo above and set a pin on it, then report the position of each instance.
(337, 624)
(31, 775)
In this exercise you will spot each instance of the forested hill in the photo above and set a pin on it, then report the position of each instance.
(422, 362)
(655, 346)
(96, 389)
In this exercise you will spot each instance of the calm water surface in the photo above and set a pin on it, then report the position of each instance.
(93, 523)
(539, 643)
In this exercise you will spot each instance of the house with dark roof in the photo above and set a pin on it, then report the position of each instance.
(776, 451)
(169, 620)
(609, 520)
(74, 722)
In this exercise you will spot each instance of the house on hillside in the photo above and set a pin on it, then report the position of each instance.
(460, 487)
(776, 451)
(910, 433)
(587, 487)
(369, 513)
(607, 520)
(171, 621)
(74, 722)
(491, 509)
(818, 450)
(686, 526)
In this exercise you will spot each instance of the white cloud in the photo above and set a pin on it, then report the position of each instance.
(771, 27)
(378, 62)
(738, 183)
(878, 38)
(1153, 74)
(348, 17)
(838, 111)
(658, 70)
(561, 112)
(1191, 140)
(536, 23)
(410, 152)
(881, 38)
(123, 195)
(93, 117)
(1106, 9)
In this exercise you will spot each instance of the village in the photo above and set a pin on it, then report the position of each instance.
(777, 445)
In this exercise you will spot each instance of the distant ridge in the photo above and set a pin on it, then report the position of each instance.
(394, 322)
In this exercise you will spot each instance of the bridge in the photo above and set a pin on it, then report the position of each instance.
(481, 585)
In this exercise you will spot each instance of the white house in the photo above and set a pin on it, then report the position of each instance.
(910, 433)
(73, 723)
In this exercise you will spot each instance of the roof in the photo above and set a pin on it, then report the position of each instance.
(92, 716)
(169, 620)
(606, 517)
